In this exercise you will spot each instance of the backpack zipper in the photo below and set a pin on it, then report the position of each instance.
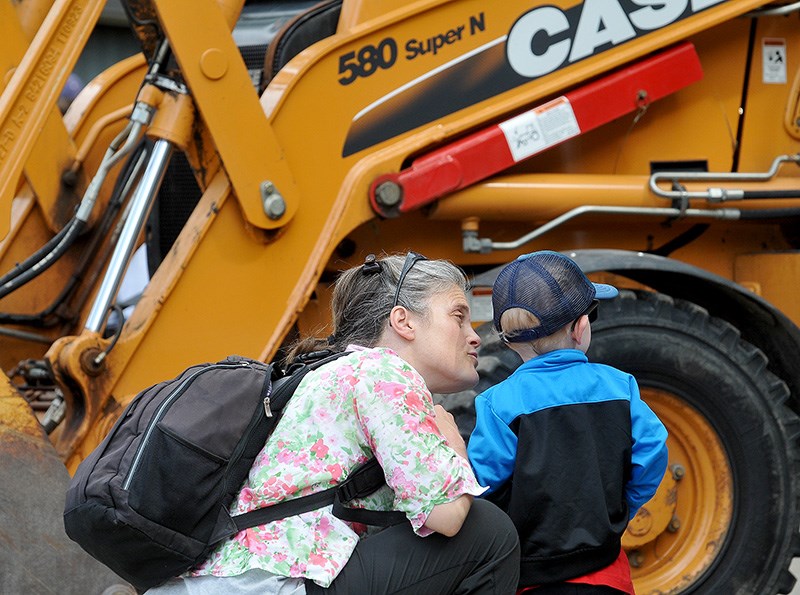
(162, 410)
(267, 408)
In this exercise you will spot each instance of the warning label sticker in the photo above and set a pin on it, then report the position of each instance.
(773, 55)
(537, 129)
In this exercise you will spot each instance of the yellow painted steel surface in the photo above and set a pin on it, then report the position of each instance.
(52, 146)
(256, 146)
(229, 105)
(772, 277)
(31, 92)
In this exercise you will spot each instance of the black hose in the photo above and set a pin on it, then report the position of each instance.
(761, 194)
(682, 240)
(769, 214)
(31, 261)
(73, 230)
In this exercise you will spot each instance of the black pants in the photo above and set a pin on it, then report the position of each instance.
(482, 558)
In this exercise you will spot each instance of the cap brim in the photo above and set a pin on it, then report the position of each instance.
(604, 292)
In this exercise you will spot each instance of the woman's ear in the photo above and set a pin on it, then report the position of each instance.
(401, 323)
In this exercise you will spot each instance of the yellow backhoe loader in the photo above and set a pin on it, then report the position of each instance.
(252, 150)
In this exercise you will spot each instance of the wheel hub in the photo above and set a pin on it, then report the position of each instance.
(677, 535)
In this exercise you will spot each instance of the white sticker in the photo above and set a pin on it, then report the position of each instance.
(535, 130)
(773, 54)
(480, 304)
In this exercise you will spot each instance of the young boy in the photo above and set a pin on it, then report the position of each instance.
(567, 447)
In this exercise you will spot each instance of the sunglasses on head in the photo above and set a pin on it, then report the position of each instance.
(411, 259)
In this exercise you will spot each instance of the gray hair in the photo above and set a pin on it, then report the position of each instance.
(363, 298)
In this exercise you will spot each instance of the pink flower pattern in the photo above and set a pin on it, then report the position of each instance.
(375, 402)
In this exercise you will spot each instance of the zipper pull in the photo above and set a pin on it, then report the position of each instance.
(267, 410)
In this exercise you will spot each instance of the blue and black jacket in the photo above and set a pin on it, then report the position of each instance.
(571, 452)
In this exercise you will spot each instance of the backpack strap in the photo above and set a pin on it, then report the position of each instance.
(362, 482)
(378, 518)
(284, 509)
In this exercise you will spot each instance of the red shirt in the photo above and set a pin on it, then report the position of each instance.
(616, 575)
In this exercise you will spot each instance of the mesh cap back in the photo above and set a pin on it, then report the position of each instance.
(550, 286)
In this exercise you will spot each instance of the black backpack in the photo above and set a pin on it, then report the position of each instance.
(152, 500)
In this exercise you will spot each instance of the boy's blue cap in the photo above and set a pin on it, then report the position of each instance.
(550, 286)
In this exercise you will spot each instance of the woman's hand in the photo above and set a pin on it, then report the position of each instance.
(447, 426)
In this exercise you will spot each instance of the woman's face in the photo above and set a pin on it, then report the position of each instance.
(445, 345)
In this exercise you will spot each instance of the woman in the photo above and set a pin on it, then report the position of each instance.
(406, 326)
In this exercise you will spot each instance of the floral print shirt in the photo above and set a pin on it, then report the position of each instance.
(369, 401)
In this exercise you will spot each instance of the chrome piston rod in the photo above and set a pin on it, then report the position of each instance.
(142, 202)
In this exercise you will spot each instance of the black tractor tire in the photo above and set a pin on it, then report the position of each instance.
(675, 347)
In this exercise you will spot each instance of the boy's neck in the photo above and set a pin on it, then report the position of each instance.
(527, 352)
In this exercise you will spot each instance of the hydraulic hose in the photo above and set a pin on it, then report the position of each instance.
(769, 214)
(31, 261)
(766, 194)
(123, 144)
(65, 240)
(122, 188)
(46, 256)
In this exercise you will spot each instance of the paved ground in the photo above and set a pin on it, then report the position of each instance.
(795, 568)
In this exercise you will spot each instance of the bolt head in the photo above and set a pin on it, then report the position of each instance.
(636, 559)
(274, 205)
(674, 525)
(388, 194)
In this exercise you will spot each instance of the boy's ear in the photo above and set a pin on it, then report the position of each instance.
(580, 328)
(401, 323)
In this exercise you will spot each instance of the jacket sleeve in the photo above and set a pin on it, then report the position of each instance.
(648, 453)
(492, 446)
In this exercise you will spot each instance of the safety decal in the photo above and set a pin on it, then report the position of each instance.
(773, 55)
(540, 128)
